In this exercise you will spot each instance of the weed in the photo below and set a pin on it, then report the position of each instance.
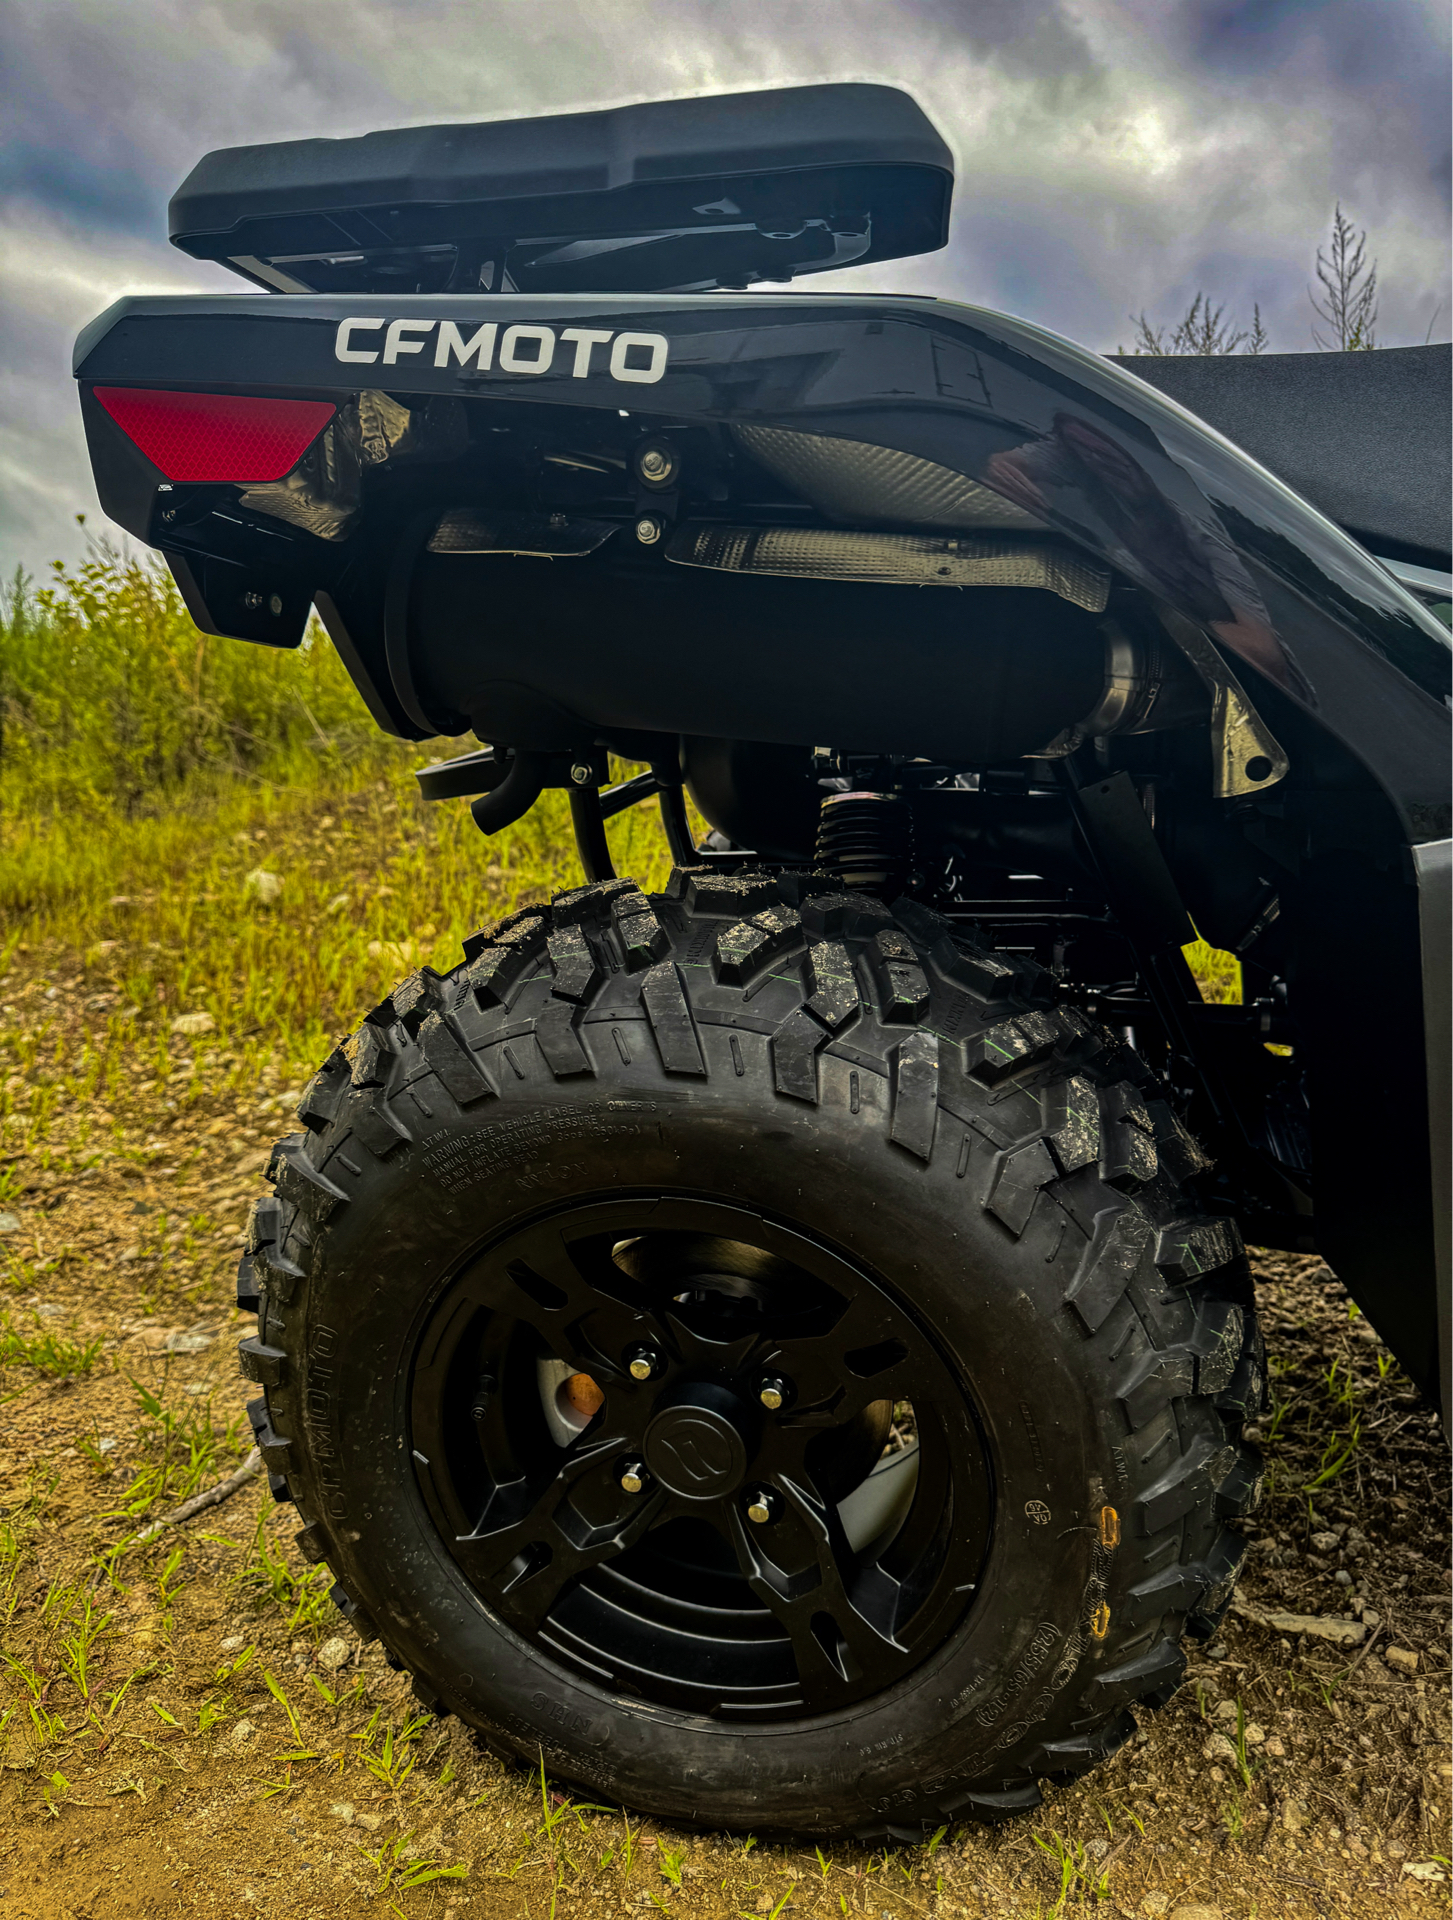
(626, 1852)
(46, 1353)
(325, 1692)
(231, 1668)
(1339, 1449)
(269, 1581)
(669, 1862)
(163, 705)
(168, 1585)
(90, 1448)
(1243, 1763)
(400, 1866)
(81, 1631)
(29, 1676)
(1328, 1688)
(1078, 1873)
(47, 1729)
(185, 1452)
(294, 1725)
(548, 1833)
(17, 1528)
(118, 1694)
(392, 1764)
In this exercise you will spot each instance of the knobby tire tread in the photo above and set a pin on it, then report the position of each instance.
(1036, 1106)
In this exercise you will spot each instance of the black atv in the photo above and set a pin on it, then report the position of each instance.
(776, 1352)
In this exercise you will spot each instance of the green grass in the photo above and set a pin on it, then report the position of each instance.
(113, 702)
(147, 772)
(272, 1581)
(1218, 974)
(47, 1353)
(182, 1451)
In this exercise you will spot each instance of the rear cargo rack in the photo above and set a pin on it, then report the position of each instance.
(674, 195)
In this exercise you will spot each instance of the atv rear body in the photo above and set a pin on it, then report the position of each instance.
(1143, 691)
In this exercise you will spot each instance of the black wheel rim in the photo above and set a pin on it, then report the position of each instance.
(771, 1561)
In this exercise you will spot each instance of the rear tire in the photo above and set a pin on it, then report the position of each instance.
(755, 1098)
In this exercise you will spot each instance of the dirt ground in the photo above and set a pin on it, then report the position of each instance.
(189, 1727)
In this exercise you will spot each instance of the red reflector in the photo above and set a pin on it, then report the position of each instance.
(217, 436)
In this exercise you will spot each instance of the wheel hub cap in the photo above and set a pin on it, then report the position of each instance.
(698, 1449)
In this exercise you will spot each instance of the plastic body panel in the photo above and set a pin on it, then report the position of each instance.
(1098, 455)
(1364, 436)
(1434, 863)
(1348, 669)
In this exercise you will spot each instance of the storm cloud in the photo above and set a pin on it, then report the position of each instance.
(1111, 154)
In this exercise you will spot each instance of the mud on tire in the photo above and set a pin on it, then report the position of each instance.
(862, 1103)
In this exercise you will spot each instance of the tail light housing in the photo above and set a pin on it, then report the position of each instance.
(238, 437)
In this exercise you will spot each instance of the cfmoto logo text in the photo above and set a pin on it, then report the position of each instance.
(637, 358)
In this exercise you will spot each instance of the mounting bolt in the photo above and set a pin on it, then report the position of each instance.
(763, 1506)
(656, 463)
(581, 774)
(774, 1392)
(649, 529)
(644, 1363)
(252, 601)
(634, 1477)
(275, 606)
(483, 1393)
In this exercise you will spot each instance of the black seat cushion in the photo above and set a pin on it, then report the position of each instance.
(1364, 436)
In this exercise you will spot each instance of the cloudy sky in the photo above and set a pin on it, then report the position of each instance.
(1112, 154)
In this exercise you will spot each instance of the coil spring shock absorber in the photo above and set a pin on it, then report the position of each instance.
(866, 839)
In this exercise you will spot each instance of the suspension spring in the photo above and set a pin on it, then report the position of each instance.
(866, 839)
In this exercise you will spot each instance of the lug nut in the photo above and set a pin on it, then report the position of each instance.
(774, 1392)
(644, 1363)
(762, 1506)
(634, 1477)
(648, 529)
